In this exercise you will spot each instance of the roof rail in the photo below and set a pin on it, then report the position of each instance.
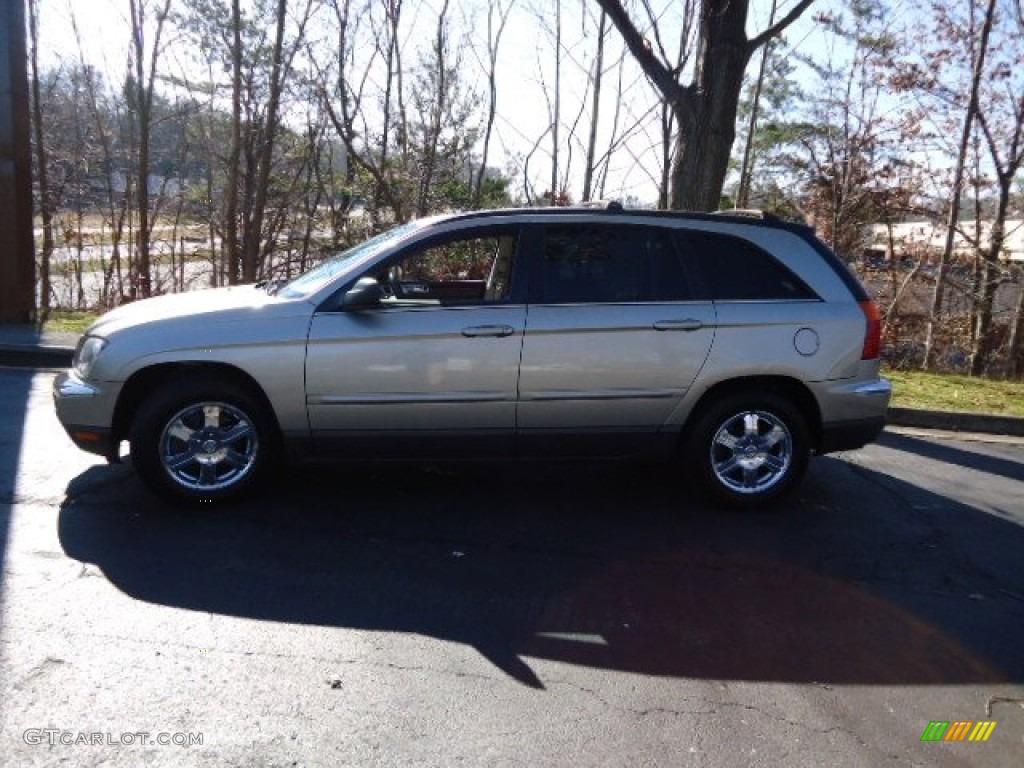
(749, 213)
(608, 205)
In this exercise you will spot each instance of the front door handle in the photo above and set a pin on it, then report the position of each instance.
(689, 324)
(477, 331)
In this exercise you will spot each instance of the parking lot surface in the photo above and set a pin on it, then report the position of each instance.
(509, 615)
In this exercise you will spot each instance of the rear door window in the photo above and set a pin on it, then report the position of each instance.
(588, 263)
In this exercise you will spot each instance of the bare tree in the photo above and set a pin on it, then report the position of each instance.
(1007, 161)
(232, 253)
(977, 71)
(846, 163)
(497, 17)
(432, 109)
(343, 93)
(747, 168)
(1015, 345)
(704, 110)
(596, 81)
(144, 61)
(253, 234)
(107, 121)
(555, 105)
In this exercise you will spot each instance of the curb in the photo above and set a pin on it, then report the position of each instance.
(955, 421)
(36, 355)
(50, 356)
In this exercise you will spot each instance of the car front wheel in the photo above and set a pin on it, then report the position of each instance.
(201, 441)
(749, 450)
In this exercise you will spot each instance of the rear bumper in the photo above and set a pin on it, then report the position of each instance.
(855, 414)
(850, 435)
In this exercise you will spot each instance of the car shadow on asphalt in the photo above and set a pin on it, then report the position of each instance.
(621, 568)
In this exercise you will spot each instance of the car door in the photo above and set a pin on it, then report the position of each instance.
(613, 339)
(432, 369)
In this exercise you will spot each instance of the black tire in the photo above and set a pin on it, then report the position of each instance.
(202, 440)
(749, 449)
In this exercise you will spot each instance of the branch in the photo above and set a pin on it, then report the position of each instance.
(778, 27)
(659, 74)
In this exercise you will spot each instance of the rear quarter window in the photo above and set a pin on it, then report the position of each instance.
(728, 268)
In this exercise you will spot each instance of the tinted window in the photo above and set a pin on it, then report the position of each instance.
(587, 263)
(731, 268)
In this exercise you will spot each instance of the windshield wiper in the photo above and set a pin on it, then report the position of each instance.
(270, 286)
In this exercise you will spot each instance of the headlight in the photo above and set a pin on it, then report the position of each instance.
(88, 350)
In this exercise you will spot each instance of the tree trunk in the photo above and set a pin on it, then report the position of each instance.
(493, 41)
(142, 116)
(343, 117)
(42, 171)
(747, 168)
(705, 110)
(1016, 353)
(556, 109)
(250, 256)
(438, 107)
(588, 171)
(706, 134)
(980, 348)
(230, 242)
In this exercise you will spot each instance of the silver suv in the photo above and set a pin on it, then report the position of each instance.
(734, 345)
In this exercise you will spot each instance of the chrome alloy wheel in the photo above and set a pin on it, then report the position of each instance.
(208, 446)
(751, 452)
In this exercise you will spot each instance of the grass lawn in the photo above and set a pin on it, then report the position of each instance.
(69, 321)
(944, 392)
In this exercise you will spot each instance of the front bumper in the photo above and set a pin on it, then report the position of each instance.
(86, 411)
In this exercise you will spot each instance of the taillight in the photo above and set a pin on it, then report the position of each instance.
(873, 333)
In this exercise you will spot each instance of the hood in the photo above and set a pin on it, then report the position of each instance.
(201, 306)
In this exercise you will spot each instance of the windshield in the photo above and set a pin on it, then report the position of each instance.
(346, 261)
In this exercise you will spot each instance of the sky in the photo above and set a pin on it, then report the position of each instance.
(525, 74)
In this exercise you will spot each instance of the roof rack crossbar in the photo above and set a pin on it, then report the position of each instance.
(607, 205)
(748, 213)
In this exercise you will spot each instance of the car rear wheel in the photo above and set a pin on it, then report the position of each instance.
(201, 441)
(749, 449)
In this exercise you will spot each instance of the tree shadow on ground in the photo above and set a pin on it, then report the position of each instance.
(1013, 470)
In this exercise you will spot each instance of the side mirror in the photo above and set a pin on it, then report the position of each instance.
(366, 293)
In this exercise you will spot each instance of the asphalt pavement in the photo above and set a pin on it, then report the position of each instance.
(510, 616)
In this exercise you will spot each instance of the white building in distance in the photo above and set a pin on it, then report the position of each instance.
(912, 238)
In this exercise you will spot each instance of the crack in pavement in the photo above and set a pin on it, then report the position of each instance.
(938, 537)
(994, 700)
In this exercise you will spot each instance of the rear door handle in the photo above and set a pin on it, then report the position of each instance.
(477, 331)
(689, 324)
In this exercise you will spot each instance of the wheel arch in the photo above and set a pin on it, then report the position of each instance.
(149, 379)
(793, 390)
